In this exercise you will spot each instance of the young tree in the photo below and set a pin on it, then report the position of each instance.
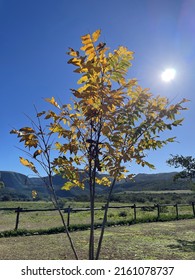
(112, 121)
(187, 163)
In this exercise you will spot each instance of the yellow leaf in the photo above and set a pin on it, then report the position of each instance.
(88, 48)
(53, 102)
(90, 101)
(67, 186)
(69, 107)
(91, 56)
(96, 35)
(36, 153)
(28, 164)
(82, 89)
(24, 161)
(58, 145)
(103, 181)
(84, 70)
(82, 80)
(120, 177)
(34, 194)
(86, 39)
(27, 129)
(72, 52)
(31, 143)
(75, 61)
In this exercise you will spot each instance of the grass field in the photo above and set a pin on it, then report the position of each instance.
(162, 240)
(157, 240)
(51, 219)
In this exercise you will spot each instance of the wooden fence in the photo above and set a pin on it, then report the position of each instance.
(70, 210)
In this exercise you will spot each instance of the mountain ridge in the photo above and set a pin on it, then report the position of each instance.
(15, 183)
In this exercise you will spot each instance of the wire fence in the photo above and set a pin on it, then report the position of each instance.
(157, 209)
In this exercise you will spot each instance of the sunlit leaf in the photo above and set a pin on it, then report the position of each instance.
(52, 101)
(36, 153)
(75, 61)
(72, 52)
(27, 129)
(103, 181)
(24, 161)
(82, 80)
(67, 186)
(28, 164)
(34, 194)
(95, 35)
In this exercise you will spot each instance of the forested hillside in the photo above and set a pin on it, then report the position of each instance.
(18, 186)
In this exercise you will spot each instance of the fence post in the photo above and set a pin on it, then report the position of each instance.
(68, 217)
(177, 212)
(134, 211)
(105, 206)
(193, 208)
(18, 210)
(158, 211)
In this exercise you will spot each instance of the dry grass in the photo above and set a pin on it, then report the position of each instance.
(167, 240)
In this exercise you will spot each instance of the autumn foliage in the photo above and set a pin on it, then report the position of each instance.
(110, 122)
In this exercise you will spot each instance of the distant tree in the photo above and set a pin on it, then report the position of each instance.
(187, 163)
(110, 122)
(6, 197)
(2, 185)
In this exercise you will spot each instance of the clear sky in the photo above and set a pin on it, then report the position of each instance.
(35, 36)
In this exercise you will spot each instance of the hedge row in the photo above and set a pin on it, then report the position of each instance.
(81, 227)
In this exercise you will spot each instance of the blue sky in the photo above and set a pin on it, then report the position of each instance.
(35, 36)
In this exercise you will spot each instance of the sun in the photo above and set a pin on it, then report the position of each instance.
(168, 75)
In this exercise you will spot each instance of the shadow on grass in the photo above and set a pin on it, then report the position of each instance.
(184, 245)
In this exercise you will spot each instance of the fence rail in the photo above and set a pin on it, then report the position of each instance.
(70, 210)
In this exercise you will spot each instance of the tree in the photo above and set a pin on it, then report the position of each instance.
(187, 163)
(111, 121)
(2, 185)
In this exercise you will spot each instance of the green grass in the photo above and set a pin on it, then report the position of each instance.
(36, 221)
(173, 240)
(26, 204)
(162, 192)
(35, 238)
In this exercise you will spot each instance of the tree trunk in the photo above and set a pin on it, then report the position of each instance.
(91, 188)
